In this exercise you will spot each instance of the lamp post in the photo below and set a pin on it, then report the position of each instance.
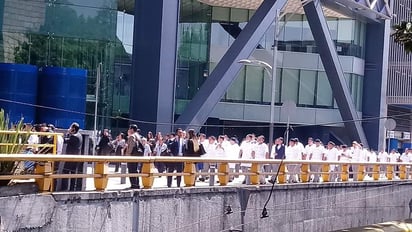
(271, 69)
(272, 75)
(98, 76)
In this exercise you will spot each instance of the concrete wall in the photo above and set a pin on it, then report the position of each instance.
(299, 207)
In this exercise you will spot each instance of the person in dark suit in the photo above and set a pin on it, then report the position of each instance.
(174, 146)
(279, 154)
(74, 142)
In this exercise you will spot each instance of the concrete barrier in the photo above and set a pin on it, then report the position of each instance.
(297, 207)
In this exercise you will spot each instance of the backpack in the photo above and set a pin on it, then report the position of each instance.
(138, 149)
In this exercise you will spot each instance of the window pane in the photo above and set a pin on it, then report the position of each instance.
(290, 83)
(345, 30)
(254, 84)
(236, 90)
(307, 87)
(324, 91)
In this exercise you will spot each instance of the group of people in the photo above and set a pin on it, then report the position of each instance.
(189, 144)
(182, 143)
(73, 140)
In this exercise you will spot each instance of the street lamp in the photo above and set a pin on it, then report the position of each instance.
(272, 75)
(271, 69)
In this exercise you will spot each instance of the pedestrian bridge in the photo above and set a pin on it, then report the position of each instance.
(301, 206)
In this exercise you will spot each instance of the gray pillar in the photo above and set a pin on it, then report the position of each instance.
(375, 83)
(333, 69)
(154, 64)
(216, 85)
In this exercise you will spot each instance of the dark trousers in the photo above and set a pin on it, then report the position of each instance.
(73, 184)
(171, 167)
(134, 168)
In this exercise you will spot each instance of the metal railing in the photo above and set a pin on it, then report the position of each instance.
(27, 134)
(44, 174)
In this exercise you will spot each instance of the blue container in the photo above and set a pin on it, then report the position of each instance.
(393, 144)
(18, 91)
(62, 95)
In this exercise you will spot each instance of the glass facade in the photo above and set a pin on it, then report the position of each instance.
(69, 33)
(85, 33)
(305, 87)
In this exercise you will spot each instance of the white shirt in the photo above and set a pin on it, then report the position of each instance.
(260, 150)
(345, 155)
(317, 152)
(246, 148)
(210, 149)
(59, 146)
(233, 153)
(372, 157)
(292, 153)
(405, 158)
(309, 149)
(393, 157)
(383, 157)
(332, 155)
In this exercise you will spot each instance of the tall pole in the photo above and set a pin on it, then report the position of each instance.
(273, 87)
(98, 75)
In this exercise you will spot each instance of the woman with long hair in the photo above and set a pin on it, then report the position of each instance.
(192, 145)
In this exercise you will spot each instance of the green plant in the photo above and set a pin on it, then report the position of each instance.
(12, 141)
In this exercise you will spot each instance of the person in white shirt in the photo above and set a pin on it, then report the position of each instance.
(394, 158)
(210, 148)
(382, 158)
(316, 153)
(147, 151)
(292, 152)
(232, 153)
(261, 151)
(246, 153)
(357, 156)
(371, 157)
(332, 155)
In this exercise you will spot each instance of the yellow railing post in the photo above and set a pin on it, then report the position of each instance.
(223, 179)
(361, 172)
(190, 168)
(45, 183)
(147, 181)
(254, 178)
(376, 172)
(325, 173)
(101, 168)
(389, 172)
(282, 174)
(304, 176)
(402, 171)
(344, 176)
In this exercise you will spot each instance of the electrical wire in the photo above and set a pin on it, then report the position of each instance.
(203, 125)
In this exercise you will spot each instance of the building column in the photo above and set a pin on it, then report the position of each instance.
(154, 64)
(374, 105)
(333, 69)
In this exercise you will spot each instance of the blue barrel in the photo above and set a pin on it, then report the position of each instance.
(62, 95)
(393, 144)
(18, 91)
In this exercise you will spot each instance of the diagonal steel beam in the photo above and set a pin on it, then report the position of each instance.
(333, 68)
(216, 85)
(372, 10)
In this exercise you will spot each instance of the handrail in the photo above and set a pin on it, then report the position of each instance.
(44, 172)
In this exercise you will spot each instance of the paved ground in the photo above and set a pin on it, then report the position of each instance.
(161, 182)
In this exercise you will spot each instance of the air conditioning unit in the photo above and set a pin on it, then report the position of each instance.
(406, 135)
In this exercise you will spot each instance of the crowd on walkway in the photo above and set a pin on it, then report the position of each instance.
(190, 144)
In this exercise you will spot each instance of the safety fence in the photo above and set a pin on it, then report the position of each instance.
(44, 172)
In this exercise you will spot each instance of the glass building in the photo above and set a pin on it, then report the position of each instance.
(86, 33)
